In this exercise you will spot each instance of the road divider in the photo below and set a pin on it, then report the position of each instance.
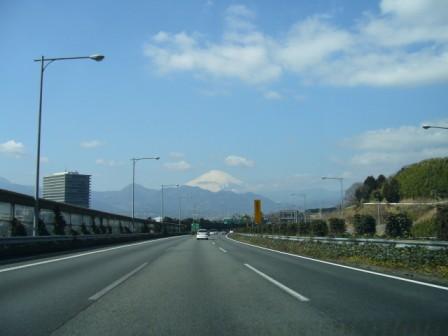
(288, 290)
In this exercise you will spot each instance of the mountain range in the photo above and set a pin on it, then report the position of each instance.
(194, 201)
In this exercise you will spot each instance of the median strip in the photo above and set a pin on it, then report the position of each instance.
(116, 283)
(288, 290)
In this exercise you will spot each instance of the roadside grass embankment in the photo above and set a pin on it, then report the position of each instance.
(410, 262)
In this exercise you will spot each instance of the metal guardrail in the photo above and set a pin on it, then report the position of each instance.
(438, 244)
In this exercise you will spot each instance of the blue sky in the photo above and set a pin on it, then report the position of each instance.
(248, 95)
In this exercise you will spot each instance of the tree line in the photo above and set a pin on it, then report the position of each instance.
(378, 189)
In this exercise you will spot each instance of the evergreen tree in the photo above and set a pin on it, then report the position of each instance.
(391, 190)
(84, 229)
(380, 181)
(17, 228)
(59, 222)
(370, 184)
(42, 229)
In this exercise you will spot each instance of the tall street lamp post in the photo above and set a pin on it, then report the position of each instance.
(134, 160)
(180, 207)
(304, 204)
(44, 63)
(341, 180)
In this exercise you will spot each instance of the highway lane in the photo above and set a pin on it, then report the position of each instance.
(180, 286)
(365, 303)
(36, 300)
(197, 289)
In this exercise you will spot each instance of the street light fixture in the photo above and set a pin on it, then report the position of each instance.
(341, 180)
(44, 63)
(134, 160)
(429, 126)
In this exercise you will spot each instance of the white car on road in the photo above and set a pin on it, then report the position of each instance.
(202, 234)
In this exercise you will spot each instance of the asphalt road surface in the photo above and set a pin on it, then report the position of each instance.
(181, 286)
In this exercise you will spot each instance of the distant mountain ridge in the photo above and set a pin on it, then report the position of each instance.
(194, 201)
(23, 189)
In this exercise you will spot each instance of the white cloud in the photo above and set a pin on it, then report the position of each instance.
(109, 163)
(238, 161)
(392, 148)
(215, 180)
(399, 139)
(178, 166)
(272, 95)
(91, 144)
(12, 147)
(406, 43)
(177, 155)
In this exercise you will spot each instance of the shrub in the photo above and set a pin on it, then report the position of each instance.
(292, 229)
(109, 229)
(84, 229)
(336, 225)
(398, 225)
(282, 229)
(120, 228)
(427, 228)
(304, 228)
(59, 222)
(364, 224)
(17, 228)
(102, 228)
(145, 228)
(319, 228)
(42, 229)
(441, 222)
(95, 228)
(73, 232)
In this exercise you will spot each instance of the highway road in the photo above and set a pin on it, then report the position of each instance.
(181, 286)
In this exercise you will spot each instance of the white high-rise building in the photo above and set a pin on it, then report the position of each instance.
(68, 187)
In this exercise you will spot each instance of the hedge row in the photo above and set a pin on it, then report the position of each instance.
(397, 226)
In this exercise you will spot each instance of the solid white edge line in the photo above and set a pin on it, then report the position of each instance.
(347, 267)
(116, 283)
(279, 284)
(223, 250)
(81, 255)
